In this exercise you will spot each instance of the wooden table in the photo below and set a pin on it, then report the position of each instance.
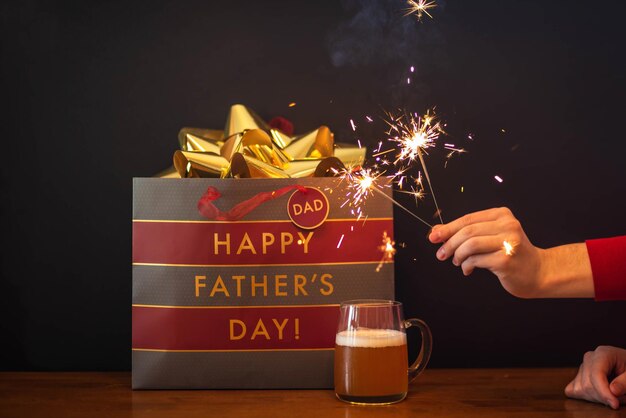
(437, 393)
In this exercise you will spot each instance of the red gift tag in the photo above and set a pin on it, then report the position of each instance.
(308, 209)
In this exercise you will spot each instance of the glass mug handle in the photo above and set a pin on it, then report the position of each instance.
(420, 363)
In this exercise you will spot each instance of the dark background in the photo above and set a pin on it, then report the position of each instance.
(95, 93)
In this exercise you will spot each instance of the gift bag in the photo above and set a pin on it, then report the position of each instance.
(237, 282)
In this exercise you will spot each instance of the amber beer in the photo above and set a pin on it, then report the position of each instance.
(370, 352)
(371, 365)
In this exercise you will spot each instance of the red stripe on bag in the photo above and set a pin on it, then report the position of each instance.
(258, 243)
(236, 328)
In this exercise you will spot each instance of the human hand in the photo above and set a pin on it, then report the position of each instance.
(477, 240)
(601, 377)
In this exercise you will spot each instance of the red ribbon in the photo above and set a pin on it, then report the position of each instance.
(282, 124)
(210, 211)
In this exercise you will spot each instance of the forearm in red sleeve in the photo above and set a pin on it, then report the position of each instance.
(608, 265)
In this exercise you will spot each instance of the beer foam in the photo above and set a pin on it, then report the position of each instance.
(371, 338)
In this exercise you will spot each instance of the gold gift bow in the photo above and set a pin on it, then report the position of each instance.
(248, 147)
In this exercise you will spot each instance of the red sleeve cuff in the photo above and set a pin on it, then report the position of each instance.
(608, 266)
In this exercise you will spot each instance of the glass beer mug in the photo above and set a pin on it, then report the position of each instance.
(371, 355)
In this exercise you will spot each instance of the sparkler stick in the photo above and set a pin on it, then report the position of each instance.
(430, 186)
(401, 207)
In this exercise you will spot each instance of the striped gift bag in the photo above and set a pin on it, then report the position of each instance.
(237, 282)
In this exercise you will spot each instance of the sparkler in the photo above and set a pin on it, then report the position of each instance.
(361, 183)
(419, 8)
(414, 135)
